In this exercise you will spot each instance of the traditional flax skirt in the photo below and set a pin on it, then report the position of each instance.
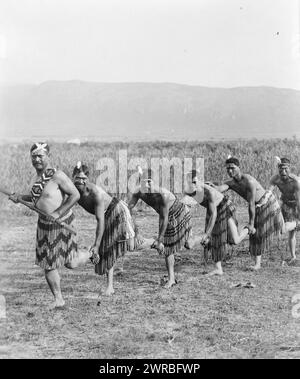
(178, 229)
(290, 211)
(55, 245)
(268, 224)
(118, 232)
(221, 235)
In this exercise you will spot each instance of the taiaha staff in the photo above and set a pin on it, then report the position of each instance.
(33, 208)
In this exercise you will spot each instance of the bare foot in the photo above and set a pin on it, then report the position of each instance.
(192, 242)
(188, 245)
(91, 296)
(109, 291)
(83, 258)
(58, 303)
(119, 271)
(170, 283)
(255, 268)
(291, 261)
(215, 272)
(144, 243)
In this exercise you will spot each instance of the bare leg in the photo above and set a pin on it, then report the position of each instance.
(189, 241)
(218, 270)
(53, 280)
(81, 259)
(141, 243)
(292, 244)
(257, 265)
(290, 226)
(110, 278)
(146, 243)
(236, 236)
(130, 244)
(170, 260)
(193, 241)
(120, 268)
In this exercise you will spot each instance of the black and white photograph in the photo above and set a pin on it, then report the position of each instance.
(150, 182)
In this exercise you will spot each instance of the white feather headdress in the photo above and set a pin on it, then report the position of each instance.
(140, 170)
(277, 159)
(40, 146)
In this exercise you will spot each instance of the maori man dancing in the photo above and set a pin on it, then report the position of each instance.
(54, 194)
(174, 219)
(265, 218)
(221, 223)
(289, 186)
(115, 229)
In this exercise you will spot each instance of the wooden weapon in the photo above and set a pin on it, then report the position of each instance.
(33, 208)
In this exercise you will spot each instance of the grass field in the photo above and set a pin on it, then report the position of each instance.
(256, 156)
(199, 318)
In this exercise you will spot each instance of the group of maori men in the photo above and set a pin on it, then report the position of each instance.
(54, 194)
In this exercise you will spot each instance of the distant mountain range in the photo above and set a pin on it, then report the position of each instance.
(64, 110)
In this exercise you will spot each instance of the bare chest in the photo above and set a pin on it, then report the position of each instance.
(88, 203)
(51, 197)
(240, 189)
(287, 189)
(154, 200)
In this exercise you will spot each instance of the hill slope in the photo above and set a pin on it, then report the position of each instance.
(140, 111)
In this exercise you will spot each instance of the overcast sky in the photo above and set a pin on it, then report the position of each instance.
(216, 43)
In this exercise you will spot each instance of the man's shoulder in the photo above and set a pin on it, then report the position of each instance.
(296, 181)
(275, 179)
(58, 174)
(294, 177)
(97, 195)
(209, 191)
(136, 191)
(230, 183)
(166, 194)
(249, 179)
(97, 192)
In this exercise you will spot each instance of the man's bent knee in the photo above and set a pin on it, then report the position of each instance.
(48, 270)
(70, 265)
